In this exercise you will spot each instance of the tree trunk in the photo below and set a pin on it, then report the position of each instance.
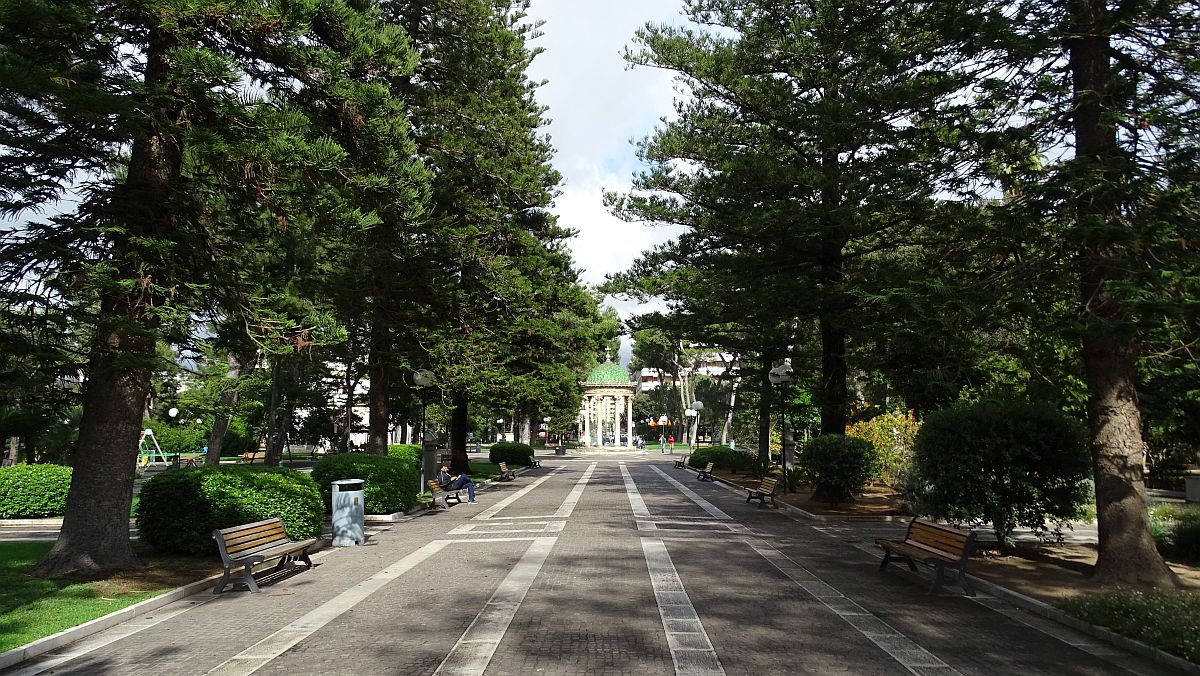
(728, 426)
(1127, 555)
(380, 373)
(274, 433)
(94, 539)
(459, 419)
(833, 393)
(229, 399)
(526, 431)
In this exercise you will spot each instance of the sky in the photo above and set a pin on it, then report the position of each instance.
(598, 109)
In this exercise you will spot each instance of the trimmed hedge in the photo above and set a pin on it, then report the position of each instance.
(409, 452)
(510, 452)
(838, 466)
(390, 482)
(34, 491)
(723, 457)
(1008, 463)
(180, 508)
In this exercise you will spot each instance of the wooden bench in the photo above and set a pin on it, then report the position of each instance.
(937, 546)
(442, 495)
(706, 473)
(254, 543)
(506, 474)
(249, 458)
(766, 490)
(534, 462)
(681, 463)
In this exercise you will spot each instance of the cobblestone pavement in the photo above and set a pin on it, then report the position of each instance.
(611, 563)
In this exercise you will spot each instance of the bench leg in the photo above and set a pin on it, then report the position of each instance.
(938, 579)
(222, 582)
(304, 557)
(965, 583)
(248, 574)
(773, 505)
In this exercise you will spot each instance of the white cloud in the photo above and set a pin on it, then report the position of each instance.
(597, 107)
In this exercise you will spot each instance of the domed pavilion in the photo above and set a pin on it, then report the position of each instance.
(607, 397)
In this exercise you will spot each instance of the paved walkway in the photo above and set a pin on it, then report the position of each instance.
(611, 563)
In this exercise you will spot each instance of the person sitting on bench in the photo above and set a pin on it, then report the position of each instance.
(453, 483)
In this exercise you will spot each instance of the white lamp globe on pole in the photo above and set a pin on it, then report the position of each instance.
(695, 409)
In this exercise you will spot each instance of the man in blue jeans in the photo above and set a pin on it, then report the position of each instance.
(453, 483)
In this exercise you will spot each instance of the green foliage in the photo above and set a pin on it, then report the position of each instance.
(1008, 463)
(723, 457)
(1166, 620)
(510, 452)
(390, 482)
(180, 508)
(891, 435)
(838, 466)
(410, 453)
(33, 491)
(1176, 531)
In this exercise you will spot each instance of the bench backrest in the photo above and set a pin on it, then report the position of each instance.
(251, 538)
(768, 485)
(503, 466)
(708, 467)
(951, 541)
(435, 486)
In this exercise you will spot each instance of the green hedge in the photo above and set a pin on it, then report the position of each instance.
(723, 457)
(390, 482)
(510, 452)
(1007, 463)
(1176, 531)
(410, 453)
(34, 491)
(180, 508)
(837, 466)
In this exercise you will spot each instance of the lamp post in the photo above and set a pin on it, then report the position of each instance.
(662, 434)
(424, 379)
(695, 409)
(782, 375)
(500, 434)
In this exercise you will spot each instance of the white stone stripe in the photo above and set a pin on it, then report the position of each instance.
(495, 509)
(691, 650)
(635, 498)
(714, 527)
(902, 649)
(251, 659)
(568, 505)
(704, 504)
(492, 528)
(478, 643)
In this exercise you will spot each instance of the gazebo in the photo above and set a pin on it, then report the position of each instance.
(607, 394)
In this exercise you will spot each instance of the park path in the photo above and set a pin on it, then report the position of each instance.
(595, 564)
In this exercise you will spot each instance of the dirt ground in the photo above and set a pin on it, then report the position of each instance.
(1045, 571)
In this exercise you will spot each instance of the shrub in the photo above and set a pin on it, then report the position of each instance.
(34, 491)
(180, 508)
(390, 482)
(837, 466)
(1176, 531)
(181, 438)
(1008, 463)
(510, 452)
(723, 457)
(891, 435)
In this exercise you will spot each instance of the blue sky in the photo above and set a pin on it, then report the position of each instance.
(598, 107)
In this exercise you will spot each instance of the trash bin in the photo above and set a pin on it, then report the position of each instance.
(348, 513)
(560, 450)
(1191, 485)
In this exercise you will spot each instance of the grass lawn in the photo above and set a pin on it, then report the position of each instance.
(33, 608)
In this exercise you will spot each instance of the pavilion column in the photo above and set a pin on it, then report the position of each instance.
(607, 407)
(629, 421)
(587, 420)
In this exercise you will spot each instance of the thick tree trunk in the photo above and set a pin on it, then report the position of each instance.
(459, 464)
(224, 418)
(526, 430)
(274, 416)
(1127, 555)
(727, 427)
(94, 539)
(833, 393)
(379, 364)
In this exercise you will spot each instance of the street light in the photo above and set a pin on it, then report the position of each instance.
(695, 409)
(782, 375)
(423, 378)
(500, 435)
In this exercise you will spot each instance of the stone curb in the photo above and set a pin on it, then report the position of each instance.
(1020, 600)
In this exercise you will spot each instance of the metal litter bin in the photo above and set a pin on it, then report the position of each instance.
(560, 450)
(348, 513)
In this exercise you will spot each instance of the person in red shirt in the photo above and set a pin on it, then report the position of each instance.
(671, 442)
